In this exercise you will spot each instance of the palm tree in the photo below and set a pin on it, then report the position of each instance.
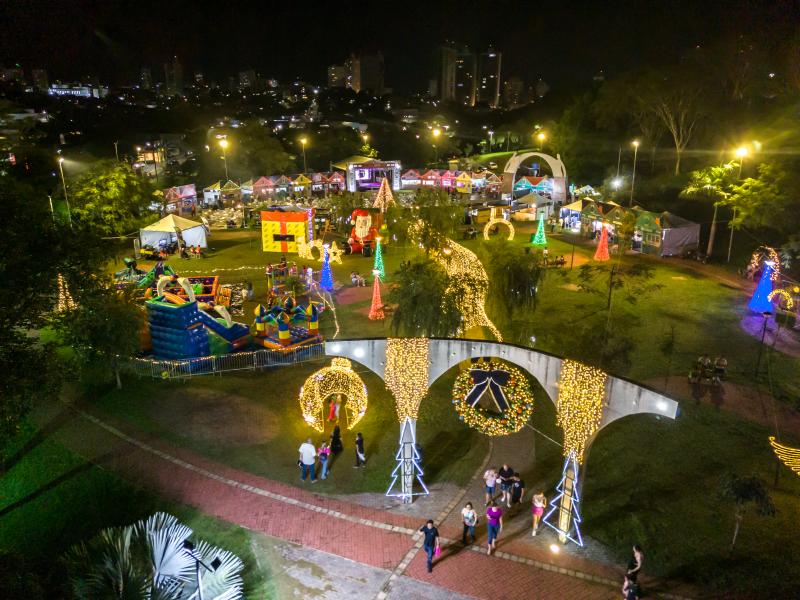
(712, 184)
(150, 560)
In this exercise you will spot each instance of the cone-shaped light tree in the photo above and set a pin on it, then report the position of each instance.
(377, 264)
(384, 198)
(540, 239)
(601, 253)
(326, 277)
(376, 310)
(760, 301)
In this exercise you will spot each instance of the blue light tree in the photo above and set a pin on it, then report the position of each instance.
(326, 278)
(760, 302)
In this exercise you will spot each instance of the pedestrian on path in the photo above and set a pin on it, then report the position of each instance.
(490, 477)
(332, 411)
(324, 454)
(505, 476)
(336, 441)
(635, 563)
(431, 542)
(537, 510)
(361, 457)
(470, 519)
(494, 524)
(630, 589)
(517, 489)
(308, 458)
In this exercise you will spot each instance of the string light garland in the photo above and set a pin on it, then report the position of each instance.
(406, 374)
(65, 301)
(788, 301)
(787, 455)
(338, 378)
(581, 390)
(384, 198)
(517, 392)
(765, 253)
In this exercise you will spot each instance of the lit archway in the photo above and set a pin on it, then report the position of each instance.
(337, 379)
(556, 165)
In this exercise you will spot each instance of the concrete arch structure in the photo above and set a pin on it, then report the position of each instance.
(556, 166)
(622, 397)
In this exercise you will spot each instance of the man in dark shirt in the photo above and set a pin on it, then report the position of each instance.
(517, 489)
(505, 476)
(431, 542)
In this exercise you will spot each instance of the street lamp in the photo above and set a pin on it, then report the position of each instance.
(303, 143)
(541, 137)
(116, 150)
(223, 143)
(635, 144)
(616, 183)
(64, 184)
(741, 154)
(215, 564)
(491, 139)
(766, 314)
(436, 132)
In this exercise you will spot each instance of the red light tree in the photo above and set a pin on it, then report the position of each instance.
(601, 253)
(376, 310)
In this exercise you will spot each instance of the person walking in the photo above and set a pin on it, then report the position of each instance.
(336, 441)
(630, 589)
(332, 411)
(635, 563)
(324, 454)
(308, 458)
(431, 542)
(494, 523)
(337, 407)
(517, 489)
(361, 457)
(505, 476)
(490, 477)
(537, 510)
(470, 518)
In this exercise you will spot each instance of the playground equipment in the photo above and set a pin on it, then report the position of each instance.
(130, 274)
(287, 324)
(364, 231)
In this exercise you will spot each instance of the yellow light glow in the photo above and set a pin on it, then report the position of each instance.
(436, 132)
(635, 143)
(65, 301)
(787, 297)
(223, 143)
(492, 222)
(303, 141)
(406, 374)
(339, 378)
(581, 390)
(788, 456)
(742, 152)
(541, 137)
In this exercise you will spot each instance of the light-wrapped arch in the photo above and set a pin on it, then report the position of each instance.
(338, 378)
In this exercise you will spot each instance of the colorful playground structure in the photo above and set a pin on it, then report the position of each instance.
(287, 324)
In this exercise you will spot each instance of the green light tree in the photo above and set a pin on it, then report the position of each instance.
(377, 264)
(540, 239)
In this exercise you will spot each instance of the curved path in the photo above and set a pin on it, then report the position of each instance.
(373, 537)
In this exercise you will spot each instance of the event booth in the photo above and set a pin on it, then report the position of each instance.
(165, 232)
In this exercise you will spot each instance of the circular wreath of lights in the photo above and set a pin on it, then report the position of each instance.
(517, 392)
(495, 221)
(339, 378)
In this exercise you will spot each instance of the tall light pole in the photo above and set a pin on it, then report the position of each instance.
(116, 150)
(541, 137)
(436, 132)
(635, 144)
(223, 143)
(741, 154)
(303, 144)
(491, 139)
(619, 160)
(64, 183)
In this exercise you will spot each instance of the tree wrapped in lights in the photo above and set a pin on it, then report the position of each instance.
(406, 374)
(540, 239)
(760, 302)
(579, 407)
(377, 263)
(511, 392)
(408, 465)
(384, 199)
(601, 254)
(338, 378)
(326, 278)
(376, 310)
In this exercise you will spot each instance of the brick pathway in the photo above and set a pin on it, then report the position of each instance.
(373, 537)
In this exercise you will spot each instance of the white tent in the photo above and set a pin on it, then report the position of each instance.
(166, 231)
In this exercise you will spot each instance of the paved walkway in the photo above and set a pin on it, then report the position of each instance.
(376, 538)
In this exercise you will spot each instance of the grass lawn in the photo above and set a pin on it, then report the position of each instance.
(52, 498)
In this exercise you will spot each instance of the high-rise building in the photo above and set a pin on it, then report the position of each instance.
(372, 73)
(173, 77)
(247, 79)
(337, 76)
(364, 72)
(445, 62)
(199, 78)
(513, 92)
(146, 78)
(40, 81)
(456, 75)
(489, 65)
(466, 77)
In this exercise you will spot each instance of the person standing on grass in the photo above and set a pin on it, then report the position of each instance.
(490, 477)
(635, 563)
(308, 458)
(470, 519)
(324, 454)
(361, 457)
(537, 510)
(336, 441)
(494, 523)
(517, 490)
(505, 476)
(431, 542)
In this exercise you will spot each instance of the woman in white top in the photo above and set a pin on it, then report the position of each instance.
(470, 519)
(490, 477)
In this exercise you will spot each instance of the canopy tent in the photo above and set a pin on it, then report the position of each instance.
(166, 231)
(677, 234)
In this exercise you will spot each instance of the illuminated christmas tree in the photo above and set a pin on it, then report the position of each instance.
(540, 239)
(564, 515)
(602, 246)
(384, 199)
(376, 310)
(377, 264)
(760, 302)
(326, 278)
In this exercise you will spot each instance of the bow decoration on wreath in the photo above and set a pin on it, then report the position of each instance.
(494, 380)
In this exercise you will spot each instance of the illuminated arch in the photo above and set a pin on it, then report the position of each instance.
(787, 297)
(494, 221)
(556, 166)
(339, 378)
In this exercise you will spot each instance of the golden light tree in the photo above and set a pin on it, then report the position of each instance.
(384, 199)
(406, 374)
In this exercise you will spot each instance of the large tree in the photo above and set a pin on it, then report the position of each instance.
(254, 151)
(420, 294)
(711, 184)
(767, 200)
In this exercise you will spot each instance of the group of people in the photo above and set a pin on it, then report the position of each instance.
(192, 252)
(327, 451)
(706, 369)
(357, 279)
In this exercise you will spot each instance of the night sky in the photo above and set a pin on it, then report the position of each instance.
(285, 40)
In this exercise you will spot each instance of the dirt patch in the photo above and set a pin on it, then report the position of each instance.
(212, 416)
(571, 287)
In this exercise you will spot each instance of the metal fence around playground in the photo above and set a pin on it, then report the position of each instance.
(216, 365)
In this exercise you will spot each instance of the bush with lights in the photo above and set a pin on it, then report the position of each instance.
(517, 392)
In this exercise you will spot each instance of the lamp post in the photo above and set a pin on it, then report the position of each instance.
(215, 564)
(436, 132)
(116, 150)
(303, 144)
(541, 137)
(64, 184)
(635, 145)
(766, 314)
(491, 139)
(741, 154)
(223, 143)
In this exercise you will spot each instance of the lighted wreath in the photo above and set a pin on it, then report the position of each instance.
(508, 387)
(339, 378)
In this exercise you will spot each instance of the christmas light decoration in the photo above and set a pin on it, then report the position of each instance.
(601, 254)
(326, 278)
(565, 504)
(540, 239)
(788, 301)
(376, 310)
(760, 302)
(377, 263)
(788, 456)
(65, 301)
(511, 392)
(306, 250)
(493, 222)
(765, 253)
(310, 217)
(579, 407)
(335, 253)
(406, 374)
(408, 467)
(338, 378)
(384, 199)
